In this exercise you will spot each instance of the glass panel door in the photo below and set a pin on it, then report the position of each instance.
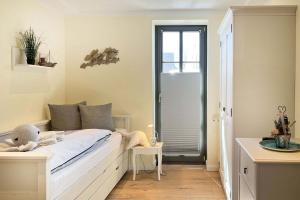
(181, 92)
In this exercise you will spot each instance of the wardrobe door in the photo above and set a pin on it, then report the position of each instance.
(226, 138)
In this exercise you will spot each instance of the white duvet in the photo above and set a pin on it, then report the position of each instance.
(72, 145)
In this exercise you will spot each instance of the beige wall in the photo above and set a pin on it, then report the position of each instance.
(24, 93)
(297, 88)
(128, 84)
(297, 92)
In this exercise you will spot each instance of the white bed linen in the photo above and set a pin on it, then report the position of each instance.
(64, 178)
(72, 145)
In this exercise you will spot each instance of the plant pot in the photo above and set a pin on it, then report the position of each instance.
(30, 61)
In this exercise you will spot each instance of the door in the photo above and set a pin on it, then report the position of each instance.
(181, 92)
(226, 94)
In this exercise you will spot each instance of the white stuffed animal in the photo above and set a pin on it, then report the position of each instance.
(28, 137)
(24, 134)
(134, 138)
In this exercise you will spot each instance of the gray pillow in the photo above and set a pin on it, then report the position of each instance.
(65, 117)
(98, 117)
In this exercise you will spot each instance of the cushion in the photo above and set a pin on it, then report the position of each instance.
(96, 117)
(65, 117)
(137, 138)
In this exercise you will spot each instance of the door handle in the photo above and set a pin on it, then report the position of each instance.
(224, 109)
(159, 98)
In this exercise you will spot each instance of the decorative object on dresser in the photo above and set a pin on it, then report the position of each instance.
(281, 135)
(282, 131)
(108, 56)
(149, 150)
(30, 43)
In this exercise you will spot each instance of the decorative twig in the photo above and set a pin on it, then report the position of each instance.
(109, 55)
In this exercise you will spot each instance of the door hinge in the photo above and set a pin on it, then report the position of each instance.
(220, 44)
(231, 28)
(204, 158)
(231, 112)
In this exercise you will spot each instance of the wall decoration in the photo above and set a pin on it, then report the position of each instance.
(30, 43)
(108, 56)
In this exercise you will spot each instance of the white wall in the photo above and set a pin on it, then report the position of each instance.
(24, 94)
(128, 84)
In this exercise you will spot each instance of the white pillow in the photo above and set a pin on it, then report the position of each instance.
(135, 138)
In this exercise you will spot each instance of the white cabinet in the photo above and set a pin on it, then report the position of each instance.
(265, 174)
(257, 73)
(244, 193)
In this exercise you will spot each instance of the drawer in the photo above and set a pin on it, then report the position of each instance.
(248, 171)
(120, 168)
(114, 171)
(244, 193)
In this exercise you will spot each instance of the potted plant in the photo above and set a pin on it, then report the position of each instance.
(30, 43)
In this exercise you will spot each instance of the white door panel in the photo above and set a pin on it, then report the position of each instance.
(226, 89)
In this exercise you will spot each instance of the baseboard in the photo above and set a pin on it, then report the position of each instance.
(212, 167)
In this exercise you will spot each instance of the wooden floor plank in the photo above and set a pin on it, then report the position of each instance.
(180, 182)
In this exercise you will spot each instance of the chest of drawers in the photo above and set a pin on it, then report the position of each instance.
(266, 175)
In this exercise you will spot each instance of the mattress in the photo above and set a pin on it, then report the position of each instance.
(64, 178)
(74, 146)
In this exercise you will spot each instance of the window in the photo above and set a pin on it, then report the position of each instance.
(180, 49)
(171, 52)
(191, 51)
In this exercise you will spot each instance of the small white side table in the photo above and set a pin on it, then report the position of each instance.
(152, 150)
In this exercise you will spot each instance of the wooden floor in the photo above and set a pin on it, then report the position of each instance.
(186, 182)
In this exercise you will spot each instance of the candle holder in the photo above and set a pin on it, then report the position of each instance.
(282, 141)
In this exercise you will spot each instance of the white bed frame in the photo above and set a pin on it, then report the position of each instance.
(27, 175)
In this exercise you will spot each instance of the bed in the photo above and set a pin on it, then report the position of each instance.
(29, 175)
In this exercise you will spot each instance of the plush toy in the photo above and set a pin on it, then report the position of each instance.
(134, 138)
(28, 137)
(24, 134)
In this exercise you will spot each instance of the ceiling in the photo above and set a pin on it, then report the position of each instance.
(105, 6)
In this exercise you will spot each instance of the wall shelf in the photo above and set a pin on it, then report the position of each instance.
(18, 61)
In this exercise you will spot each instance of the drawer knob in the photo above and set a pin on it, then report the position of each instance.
(245, 170)
(117, 168)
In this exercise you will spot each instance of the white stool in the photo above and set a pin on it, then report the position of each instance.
(152, 150)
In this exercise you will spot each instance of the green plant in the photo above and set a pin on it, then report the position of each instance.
(30, 43)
